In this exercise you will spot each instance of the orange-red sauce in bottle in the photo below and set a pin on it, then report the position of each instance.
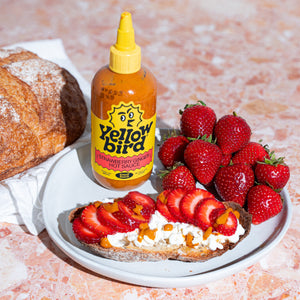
(123, 115)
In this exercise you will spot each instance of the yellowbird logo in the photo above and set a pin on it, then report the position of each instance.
(123, 144)
(126, 131)
(125, 116)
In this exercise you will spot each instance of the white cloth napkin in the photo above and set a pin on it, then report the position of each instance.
(20, 201)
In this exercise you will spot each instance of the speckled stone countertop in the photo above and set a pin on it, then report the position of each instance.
(236, 55)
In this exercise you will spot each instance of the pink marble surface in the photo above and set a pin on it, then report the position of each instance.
(240, 55)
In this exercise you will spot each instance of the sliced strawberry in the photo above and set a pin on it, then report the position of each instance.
(145, 211)
(134, 214)
(84, 234)
(189, 202)
(141, 199)
(225, 222)
(173, 201)
(163, 196)
(109, 214)
(162, 207)
(215, 214)
(203, 211)
(90, 221)
(129, 222)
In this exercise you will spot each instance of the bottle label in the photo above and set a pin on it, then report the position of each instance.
(123, 145)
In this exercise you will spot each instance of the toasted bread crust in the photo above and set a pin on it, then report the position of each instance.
(132, 253)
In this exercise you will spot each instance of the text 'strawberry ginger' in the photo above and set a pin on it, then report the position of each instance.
(123, 115)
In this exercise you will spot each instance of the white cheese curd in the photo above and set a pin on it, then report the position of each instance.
(118, 239)
(176, 236)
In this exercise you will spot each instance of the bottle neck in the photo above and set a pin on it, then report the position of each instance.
(125, 62)
(125, 55)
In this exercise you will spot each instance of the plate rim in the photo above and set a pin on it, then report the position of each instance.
(151, 280)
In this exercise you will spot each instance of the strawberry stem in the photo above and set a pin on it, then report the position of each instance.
(199, 102)
(163, 173)
(204, 138)
(273, 161)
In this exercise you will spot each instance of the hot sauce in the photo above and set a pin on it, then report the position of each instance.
(123, 115)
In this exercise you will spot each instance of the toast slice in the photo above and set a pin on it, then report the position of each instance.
(131, 252)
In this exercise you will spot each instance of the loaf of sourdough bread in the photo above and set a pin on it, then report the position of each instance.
(132, 253)
(42, 110)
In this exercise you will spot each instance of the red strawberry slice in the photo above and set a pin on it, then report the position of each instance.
(162, 207)
(141, 199)
(109, 214)
(189, 202)
(129, 202)
(203, 212)
(173, 201)
(84, 234)
(215, 214)
(129, 222)
(225, 221)
(140, 203)
(133, 215)
(90, 221)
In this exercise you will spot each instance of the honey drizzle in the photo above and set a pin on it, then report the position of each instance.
(207, 233)
(104, 242)
(111, 207)
(146, 231)
(189, 240)
(168, 227)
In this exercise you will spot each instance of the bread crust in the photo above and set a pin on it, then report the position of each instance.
(42, 110)
(132, 253)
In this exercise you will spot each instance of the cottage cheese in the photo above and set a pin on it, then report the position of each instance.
(176, 236)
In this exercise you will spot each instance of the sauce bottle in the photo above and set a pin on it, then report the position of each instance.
(123, 115)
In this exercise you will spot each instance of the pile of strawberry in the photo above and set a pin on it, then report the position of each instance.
(220, 155)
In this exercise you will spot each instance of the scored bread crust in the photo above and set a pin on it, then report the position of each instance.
(132, 253)
(42, 110)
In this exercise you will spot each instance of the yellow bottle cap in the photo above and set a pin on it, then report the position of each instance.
(125, 55)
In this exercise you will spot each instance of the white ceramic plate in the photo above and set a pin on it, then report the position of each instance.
(71, 184)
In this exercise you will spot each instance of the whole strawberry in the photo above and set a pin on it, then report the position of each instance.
(232, 133)
(273, 172)
(233, 182)
(203, 158)
(178, 177)
(197, 120)
(172, 150)
(226, 158)
(263, 203)
(250, 154)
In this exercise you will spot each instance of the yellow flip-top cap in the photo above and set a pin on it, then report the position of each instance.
(125, 55)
